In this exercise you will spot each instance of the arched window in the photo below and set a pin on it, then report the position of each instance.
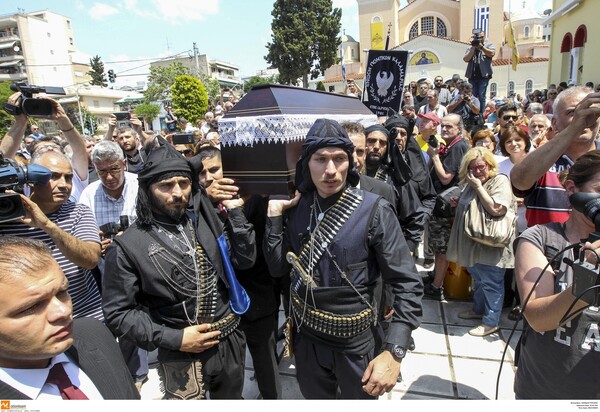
(441, 28)
(526, 32)
(493, 90)
(433, 26)
(528, 87)
(567, 43)
(414, 31)
(427, 25)
(511, 88)
(580, 36)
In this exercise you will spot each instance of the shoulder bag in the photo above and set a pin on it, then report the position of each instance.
(494, 231)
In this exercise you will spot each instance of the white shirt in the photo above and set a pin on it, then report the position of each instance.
(32, 382)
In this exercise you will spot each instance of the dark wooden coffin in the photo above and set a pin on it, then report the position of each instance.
(261, 137)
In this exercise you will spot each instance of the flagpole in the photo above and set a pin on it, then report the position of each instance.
(511, 52)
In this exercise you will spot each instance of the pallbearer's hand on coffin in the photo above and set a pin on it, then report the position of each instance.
(222, 189)
(278, 205)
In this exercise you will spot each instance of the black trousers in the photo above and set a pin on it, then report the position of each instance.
(223, 367)
(325, 374)
(261, 338)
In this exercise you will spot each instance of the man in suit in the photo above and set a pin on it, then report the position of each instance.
(39, 337)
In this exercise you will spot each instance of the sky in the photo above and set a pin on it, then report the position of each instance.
(128, 34)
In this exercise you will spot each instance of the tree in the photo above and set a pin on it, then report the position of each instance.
(148, 111)
(213, 89)
(97, 72)
(256, 80)
(90, 122)
(304, 38)
(189, 98)
(320, 86)
(161, 79)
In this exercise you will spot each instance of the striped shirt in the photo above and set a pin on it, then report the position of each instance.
(107, 209)
(77, 220)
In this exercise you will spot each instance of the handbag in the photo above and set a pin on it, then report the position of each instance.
(494, 231)
(442, 206)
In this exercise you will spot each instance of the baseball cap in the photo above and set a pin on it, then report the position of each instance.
(430, 116)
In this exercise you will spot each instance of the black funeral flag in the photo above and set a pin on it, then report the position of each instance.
(384, 81)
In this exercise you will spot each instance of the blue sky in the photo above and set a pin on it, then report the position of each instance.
(234, 31)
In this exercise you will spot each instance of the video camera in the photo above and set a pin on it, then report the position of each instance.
(111, 229)
(11, 176)
(586, 276)
(433, 141)
(29, 105)
(476, 42)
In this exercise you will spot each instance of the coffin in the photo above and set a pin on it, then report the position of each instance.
(261, 137)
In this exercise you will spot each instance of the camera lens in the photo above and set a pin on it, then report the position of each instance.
(11, 207)
(37, 107)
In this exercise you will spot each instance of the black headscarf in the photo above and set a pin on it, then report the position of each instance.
(324, 133)
(163, 161)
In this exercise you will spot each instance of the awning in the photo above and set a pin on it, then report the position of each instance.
(67, 100)
(129, 100)
(7, 45)
(11, 63)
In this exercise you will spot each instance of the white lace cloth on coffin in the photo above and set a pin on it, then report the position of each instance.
(285, 128)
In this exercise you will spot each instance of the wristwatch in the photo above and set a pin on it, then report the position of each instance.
(397, 351)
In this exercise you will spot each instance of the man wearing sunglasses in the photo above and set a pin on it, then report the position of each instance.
(507, 117)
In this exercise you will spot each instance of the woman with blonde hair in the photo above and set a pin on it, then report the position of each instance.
(486, 264)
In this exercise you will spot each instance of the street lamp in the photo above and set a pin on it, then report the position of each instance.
(79, 105)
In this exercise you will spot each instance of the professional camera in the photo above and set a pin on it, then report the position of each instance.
(30, 106)
(11, 176)
(476, 42)
(433, 141)
(466, 98)
(111, 229)
(586, 278)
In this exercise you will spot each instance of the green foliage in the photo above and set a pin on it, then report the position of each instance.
(161, 80)
(320, 86)
(304, 38)
(213, 88)
(97, 72)
(256, 80)
(90, 122)
(148, 111)
(189, 98)
(5, 118)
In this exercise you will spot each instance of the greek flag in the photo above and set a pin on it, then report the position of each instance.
(482, 17)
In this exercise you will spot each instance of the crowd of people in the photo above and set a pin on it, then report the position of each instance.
(139, 248)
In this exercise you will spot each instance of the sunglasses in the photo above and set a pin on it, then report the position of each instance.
(185, 152)
(508, 117)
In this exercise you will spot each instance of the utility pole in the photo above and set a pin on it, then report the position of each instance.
(197, 70)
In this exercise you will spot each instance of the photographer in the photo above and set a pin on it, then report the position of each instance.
(466, 106)
(132, 140)
(68, 228)
(479, 68)
(12, 140)
(352, 89)
(171, 120)
(113, 196)
(559, 359)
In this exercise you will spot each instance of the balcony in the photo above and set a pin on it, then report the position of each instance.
(16, 58)
(13, 76)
